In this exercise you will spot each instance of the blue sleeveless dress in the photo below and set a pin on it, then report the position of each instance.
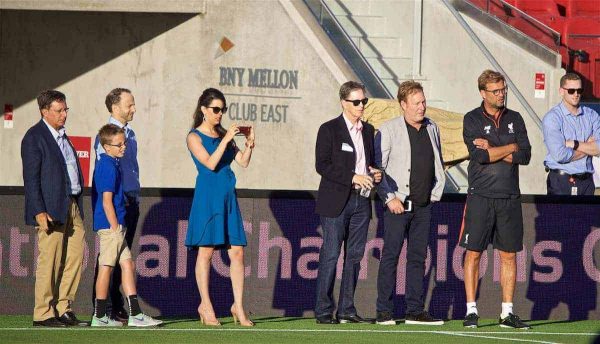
(215, 218)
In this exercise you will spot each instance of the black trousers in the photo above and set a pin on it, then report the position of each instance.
(561, 184)
(132, 215)
(415, 227)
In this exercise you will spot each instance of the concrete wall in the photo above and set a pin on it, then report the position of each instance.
(167, 60)
(179, 6)
(452, 62)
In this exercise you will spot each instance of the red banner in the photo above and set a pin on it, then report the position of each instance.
(8, 116)
(83, 146)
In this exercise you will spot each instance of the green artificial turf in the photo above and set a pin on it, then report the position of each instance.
(18, 329)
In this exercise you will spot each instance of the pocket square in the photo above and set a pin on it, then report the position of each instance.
(347, 148)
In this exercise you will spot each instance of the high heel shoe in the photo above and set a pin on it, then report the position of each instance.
(243, 322)
(204, 319)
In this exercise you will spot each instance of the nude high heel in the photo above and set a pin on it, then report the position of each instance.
(204, 319)
(243, 322)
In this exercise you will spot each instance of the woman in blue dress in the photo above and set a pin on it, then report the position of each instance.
(215, 220)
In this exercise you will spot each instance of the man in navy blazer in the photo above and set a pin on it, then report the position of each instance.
(53, 184)
(344, 156)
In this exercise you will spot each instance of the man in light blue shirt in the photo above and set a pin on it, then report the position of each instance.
(68, 153)
(121, 105)
(571, 134)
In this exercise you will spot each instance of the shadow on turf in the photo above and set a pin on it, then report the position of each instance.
(535, 323)
(227, 321)
(280, 319)
(553, 322)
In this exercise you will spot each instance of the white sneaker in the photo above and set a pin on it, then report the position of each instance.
(105, 321)
(143, 320)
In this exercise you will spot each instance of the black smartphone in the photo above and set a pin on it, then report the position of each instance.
(408, 207)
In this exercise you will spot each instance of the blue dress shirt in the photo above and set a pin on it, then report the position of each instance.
(560, 126)
(68, 153)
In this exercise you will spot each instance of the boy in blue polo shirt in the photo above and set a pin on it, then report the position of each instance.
(108, 204)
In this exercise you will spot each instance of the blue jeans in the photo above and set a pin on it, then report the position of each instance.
(349, 228)
(415, 227)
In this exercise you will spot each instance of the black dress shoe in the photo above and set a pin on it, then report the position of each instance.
(327, 319)
(120, 315)
(69, 319)
(50, 322)
(354, 319)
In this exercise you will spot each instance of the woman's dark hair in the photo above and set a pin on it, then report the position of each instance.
(207, 96)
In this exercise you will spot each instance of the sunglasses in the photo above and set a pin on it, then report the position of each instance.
(573, 90)
(217, 109)
(356, 102)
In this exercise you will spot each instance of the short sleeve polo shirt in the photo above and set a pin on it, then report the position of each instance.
(107, 178)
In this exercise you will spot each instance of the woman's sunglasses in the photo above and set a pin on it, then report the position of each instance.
(217, 109)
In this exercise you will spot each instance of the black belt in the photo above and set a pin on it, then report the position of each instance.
(580, 176)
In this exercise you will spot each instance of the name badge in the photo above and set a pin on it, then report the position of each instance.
(573, 191)
(347, 148)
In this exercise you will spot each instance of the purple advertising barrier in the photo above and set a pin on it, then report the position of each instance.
(557, 272)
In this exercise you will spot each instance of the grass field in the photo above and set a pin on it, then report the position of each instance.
(18, 329)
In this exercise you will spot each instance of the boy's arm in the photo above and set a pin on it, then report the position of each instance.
(109, 210)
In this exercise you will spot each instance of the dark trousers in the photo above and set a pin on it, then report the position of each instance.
(132, 215)
(415, 227)
(350, 229)
(559, 184)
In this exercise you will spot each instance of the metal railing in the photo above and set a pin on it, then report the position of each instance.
(348, 49)
(521, 20)
(534, 117)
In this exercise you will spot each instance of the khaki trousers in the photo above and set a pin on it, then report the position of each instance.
(59, 266)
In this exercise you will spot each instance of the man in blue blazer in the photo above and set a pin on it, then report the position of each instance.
(53, 184)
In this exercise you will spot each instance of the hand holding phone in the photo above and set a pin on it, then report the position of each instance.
(244, 130)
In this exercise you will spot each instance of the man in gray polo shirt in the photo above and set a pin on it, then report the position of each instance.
(409, 149)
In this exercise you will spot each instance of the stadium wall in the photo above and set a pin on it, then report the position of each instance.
(557, 276)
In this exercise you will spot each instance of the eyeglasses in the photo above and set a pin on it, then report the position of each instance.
(65, 110)
(120, 145)
(573, 90)
(217, 109)
(498, 91)
(356, 102)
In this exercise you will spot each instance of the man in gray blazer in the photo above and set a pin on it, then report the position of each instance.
(409, 149)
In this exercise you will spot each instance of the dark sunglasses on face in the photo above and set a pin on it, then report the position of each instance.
(356, 102)
(573, 90)
(217, 109)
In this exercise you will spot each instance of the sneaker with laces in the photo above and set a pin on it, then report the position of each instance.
(143, 320)
(471, 320)
(105, 321)
(385, 318)
(423, 318)
(513, 321)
